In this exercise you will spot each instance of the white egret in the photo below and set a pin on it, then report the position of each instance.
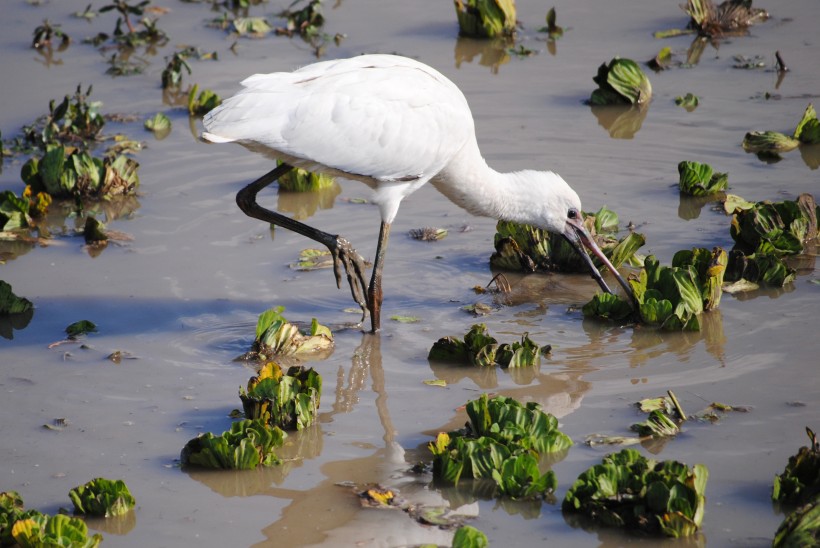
(394, 124)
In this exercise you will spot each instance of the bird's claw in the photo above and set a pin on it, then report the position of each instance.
(347, 258)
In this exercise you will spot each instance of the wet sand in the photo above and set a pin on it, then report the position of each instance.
(183, 295)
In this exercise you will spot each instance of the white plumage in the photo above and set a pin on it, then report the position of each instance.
(394, 124)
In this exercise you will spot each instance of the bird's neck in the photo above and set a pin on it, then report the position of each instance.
(473, 185)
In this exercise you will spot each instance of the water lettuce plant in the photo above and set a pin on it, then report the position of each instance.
(772, 143)
(485, 18)
(469, 537)
(800, 528)
(11, 303)
(730, 17)
(102, 497)
(621, 82)
(301, 180)
(698, 179)
(501, 441)
(248, 444)
(289, 400)
(808, 129)
(30, 528)
(782, 228)
(201, 102)
(479, 348)
(671, 297)
(800, 481)
(530, 249)
(276, 337)
(628, 490)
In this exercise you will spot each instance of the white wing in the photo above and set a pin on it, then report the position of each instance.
(383, 117)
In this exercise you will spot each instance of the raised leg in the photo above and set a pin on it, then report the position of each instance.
(344, 256)
(374, 292)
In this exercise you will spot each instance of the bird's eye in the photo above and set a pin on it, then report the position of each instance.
(572, 214)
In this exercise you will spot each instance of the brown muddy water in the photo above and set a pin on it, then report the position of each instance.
(183, 294)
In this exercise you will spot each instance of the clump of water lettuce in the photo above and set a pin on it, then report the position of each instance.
(30, 528)
(480, 348)
(671, 297)
(11, 303)
(102, 497)
(247, 445)
(800, 528)
(275, 336)
(698, 179)
(527, 248)
(630, 491)
(501, 441)
(772, 143)
(800, 481)
(301, 180)
(485, 18)
(288, 400)
(621, 82)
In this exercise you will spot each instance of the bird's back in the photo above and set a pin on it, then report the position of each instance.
(382, 117)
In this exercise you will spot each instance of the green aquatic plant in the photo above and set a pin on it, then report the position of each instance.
(469, 537)
(485, 18)
(768, 142)
(479, 348)
(102, 497)
(201, 102)
(500, 431)
(247, 445)
(621, 82)
(671, 297)
(698, 179)
(688, 101)
(75, 121)
(800, 481)
(275, 336)
(801, 528)
(172, 74)
(11, 303)
(527, 248)
(289, 400)
(33, 529)
(780, 228)
(628, 490)
(159, 124)
(808, 129)
(46, 33)
(302, 180)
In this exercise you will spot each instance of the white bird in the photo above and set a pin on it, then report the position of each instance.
(394, 124)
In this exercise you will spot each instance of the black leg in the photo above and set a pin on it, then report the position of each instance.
(344, 256)
(374, 292)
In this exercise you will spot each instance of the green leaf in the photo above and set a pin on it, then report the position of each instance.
(159, 124)
(469, 537)
(11, 303)
(248, 444)
(768, 141)
(102, 497)
(622, 81)
(698, 179)
(808, 129)
(82, 327)
(688, 101)
(800, 528)
(485, 18)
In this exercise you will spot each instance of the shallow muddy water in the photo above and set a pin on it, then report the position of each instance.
(182, 295)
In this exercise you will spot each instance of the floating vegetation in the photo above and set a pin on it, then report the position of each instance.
(74, 121)
(662, 60)
(486, 18)
(800, 528)
(732, 17)
(769, 144)
(553, 31)
(782, 228)
(302, 180)
(288, 400)
(102, 497)
(529, 249)
(80, 328)
(252, 27)
(94, 231)
(502, 441)
(479, 348)
(30, 528)
(20, 211)
(428, 234)
(672, 297)
(201, 102)
(159, 124)
(276, 337)
(630, 491)
(46, 33)
(11, 303)
(689, 101)
(131, 37)
(469, 537)
(800, 481)
(172, 74)
(247, 445)
(621, 82)
(698, 179)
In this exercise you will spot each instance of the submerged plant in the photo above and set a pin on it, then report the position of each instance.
(479, 348)
(289, 400)
(486, 18)
(698, 179)
(628, 490)
(501, 441)
(102, 497)
(530, 249)
(800, 481)
(621, 82)
(248, 444)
